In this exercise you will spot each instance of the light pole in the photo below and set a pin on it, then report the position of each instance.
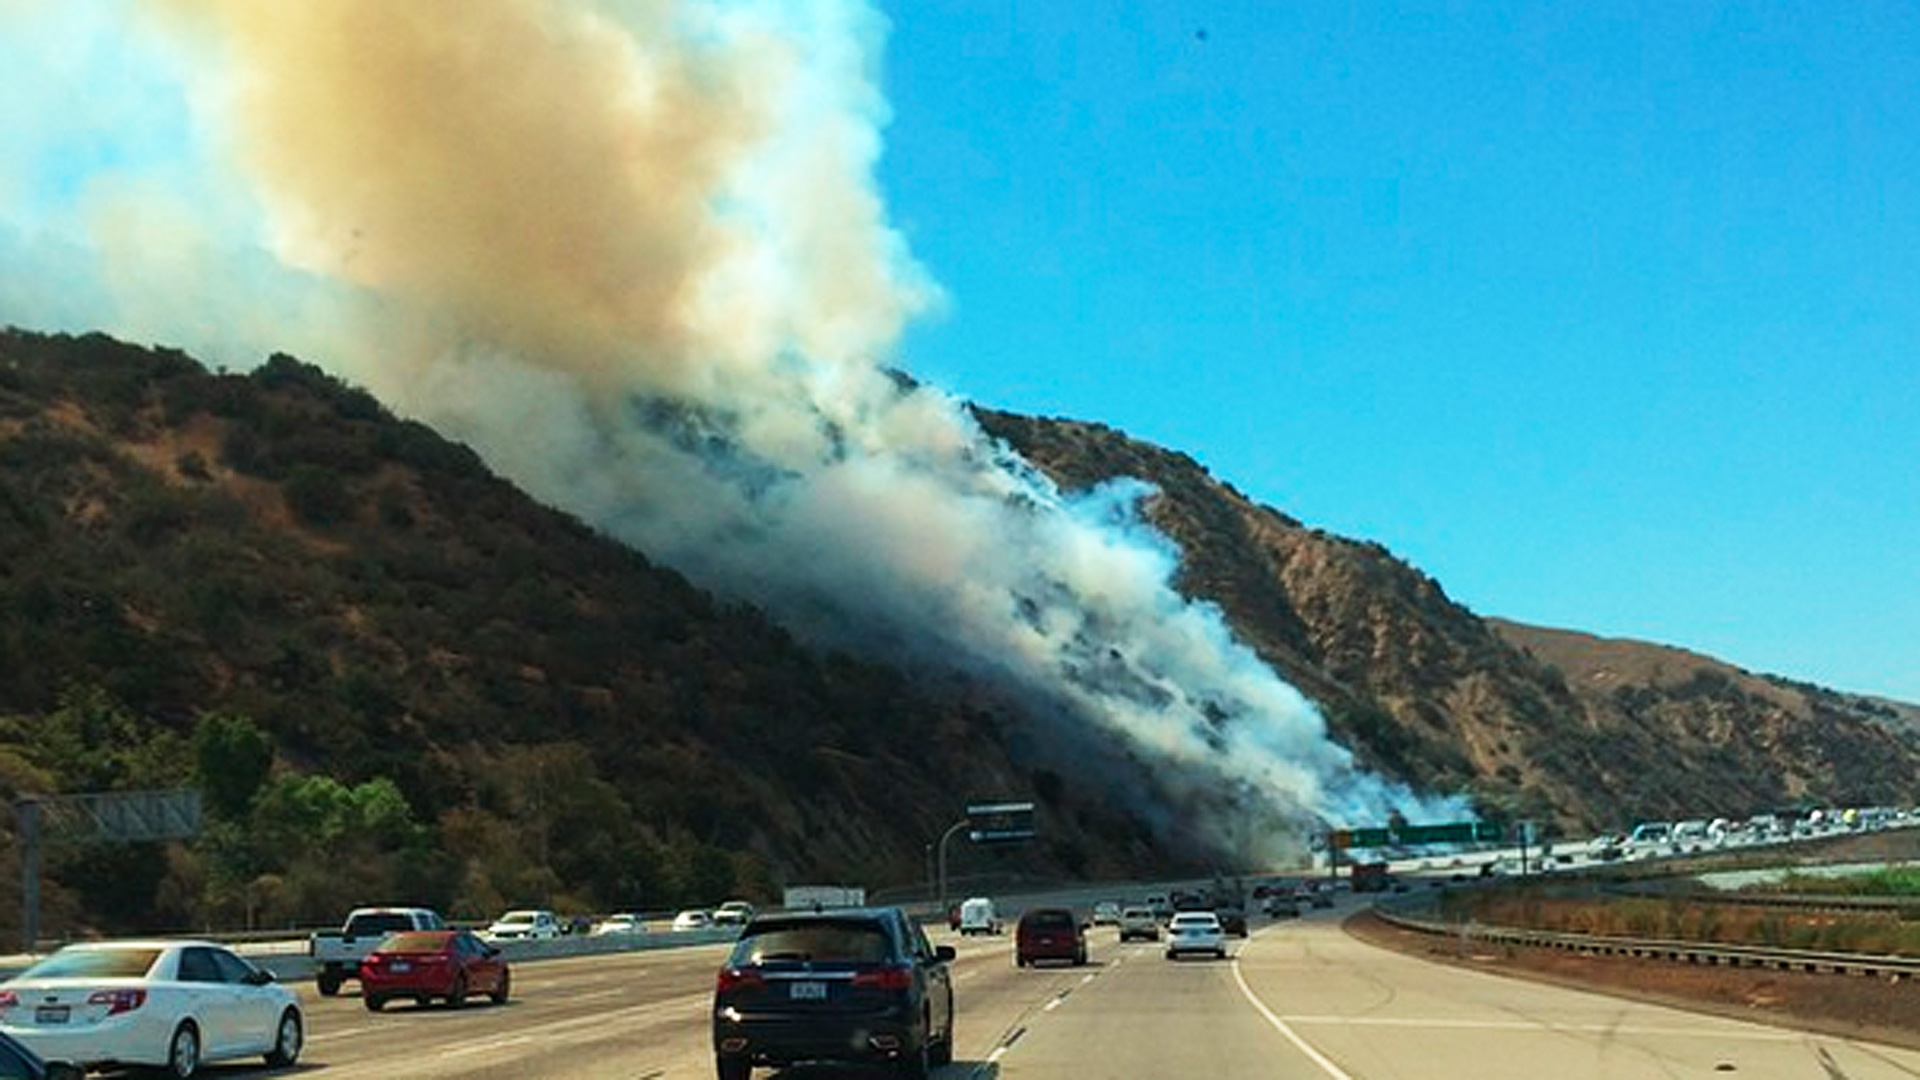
(944, 837)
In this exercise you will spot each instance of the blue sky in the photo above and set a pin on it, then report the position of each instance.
(1603, 315)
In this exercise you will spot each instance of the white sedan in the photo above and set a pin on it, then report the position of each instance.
(165, 1004)
(693, 919)
(1196, 932)
(624, 923)
(533, 925)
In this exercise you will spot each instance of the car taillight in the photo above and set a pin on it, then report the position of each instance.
(9, 999)
(734, 979)
(118, 1001)
(887, 978)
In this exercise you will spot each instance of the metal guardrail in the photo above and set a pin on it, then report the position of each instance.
(1692, 952)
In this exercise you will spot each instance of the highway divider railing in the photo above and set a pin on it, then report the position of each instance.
(1407, 914)
(291, 965)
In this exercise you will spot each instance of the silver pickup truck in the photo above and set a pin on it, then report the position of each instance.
(337, 954)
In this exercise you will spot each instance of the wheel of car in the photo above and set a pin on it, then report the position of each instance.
(375, 1002)
(457, 996)
(329, 983)
(286, 1043)
(942, 1053)
(914, 1065)
(183, 1053)
(1219, 954)
(500, 988)
(733, 1068)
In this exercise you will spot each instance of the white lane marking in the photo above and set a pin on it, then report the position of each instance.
(1281, 1026)
(1432, 1023)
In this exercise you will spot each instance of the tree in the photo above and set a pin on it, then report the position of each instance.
(231, 759)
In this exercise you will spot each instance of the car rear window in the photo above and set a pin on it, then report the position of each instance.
(829, 942)
(416, 941)
(128, 963)
(1050, 920)
(384, 922)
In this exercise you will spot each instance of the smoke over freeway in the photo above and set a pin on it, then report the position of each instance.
(634, 253)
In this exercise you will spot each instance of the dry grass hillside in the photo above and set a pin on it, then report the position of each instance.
(1562, 727)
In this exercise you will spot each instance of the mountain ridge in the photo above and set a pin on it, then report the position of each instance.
(474, 700)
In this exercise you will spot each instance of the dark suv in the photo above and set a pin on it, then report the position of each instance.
(849, 985)
(1049, 934)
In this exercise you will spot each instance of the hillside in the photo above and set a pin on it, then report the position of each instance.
(1557, 726)
(397, 677)
(464, 698)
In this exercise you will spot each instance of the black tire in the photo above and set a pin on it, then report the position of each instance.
(457, 997)
(183, 1052)
(733, 1068)
(374, 1002)
(942, 1052)
(499, 994)
(328, 982)
(915, 1064)
(287, 1041)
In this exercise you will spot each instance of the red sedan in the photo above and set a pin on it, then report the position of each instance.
(428, 964)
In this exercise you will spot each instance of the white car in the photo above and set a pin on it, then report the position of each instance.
(693, 920)
(1196, 932)
(733, 913)
(623, 923)
(531, 925)
(170, 1005)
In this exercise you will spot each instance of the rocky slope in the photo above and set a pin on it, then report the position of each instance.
(1545, 724)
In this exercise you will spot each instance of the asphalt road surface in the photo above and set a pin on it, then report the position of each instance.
(1300, 999)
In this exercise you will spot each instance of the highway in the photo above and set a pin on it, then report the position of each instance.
(1300, 999)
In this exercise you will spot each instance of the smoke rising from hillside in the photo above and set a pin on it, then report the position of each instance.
(632, 250)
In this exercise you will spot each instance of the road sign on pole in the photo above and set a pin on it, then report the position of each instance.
(996, 823)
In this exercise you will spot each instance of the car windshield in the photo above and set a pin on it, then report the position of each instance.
(519, 917)
(831, 942)
(416, 941)
(130, 962)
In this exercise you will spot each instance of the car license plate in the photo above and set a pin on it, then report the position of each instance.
(52, 1014)
(807, 991)
(402, 966)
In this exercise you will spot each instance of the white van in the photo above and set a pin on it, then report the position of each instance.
(978, 917)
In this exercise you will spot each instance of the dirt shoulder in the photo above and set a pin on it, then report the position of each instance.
(1876, 1009)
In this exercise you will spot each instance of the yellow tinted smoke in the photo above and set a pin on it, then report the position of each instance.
(552, 178)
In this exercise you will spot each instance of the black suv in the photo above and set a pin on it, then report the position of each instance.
(850, 985)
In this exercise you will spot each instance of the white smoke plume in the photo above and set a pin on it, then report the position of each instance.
(633, 252)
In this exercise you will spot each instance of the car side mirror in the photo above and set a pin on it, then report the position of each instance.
(493, 951)
(944, 953)
(259, 977)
